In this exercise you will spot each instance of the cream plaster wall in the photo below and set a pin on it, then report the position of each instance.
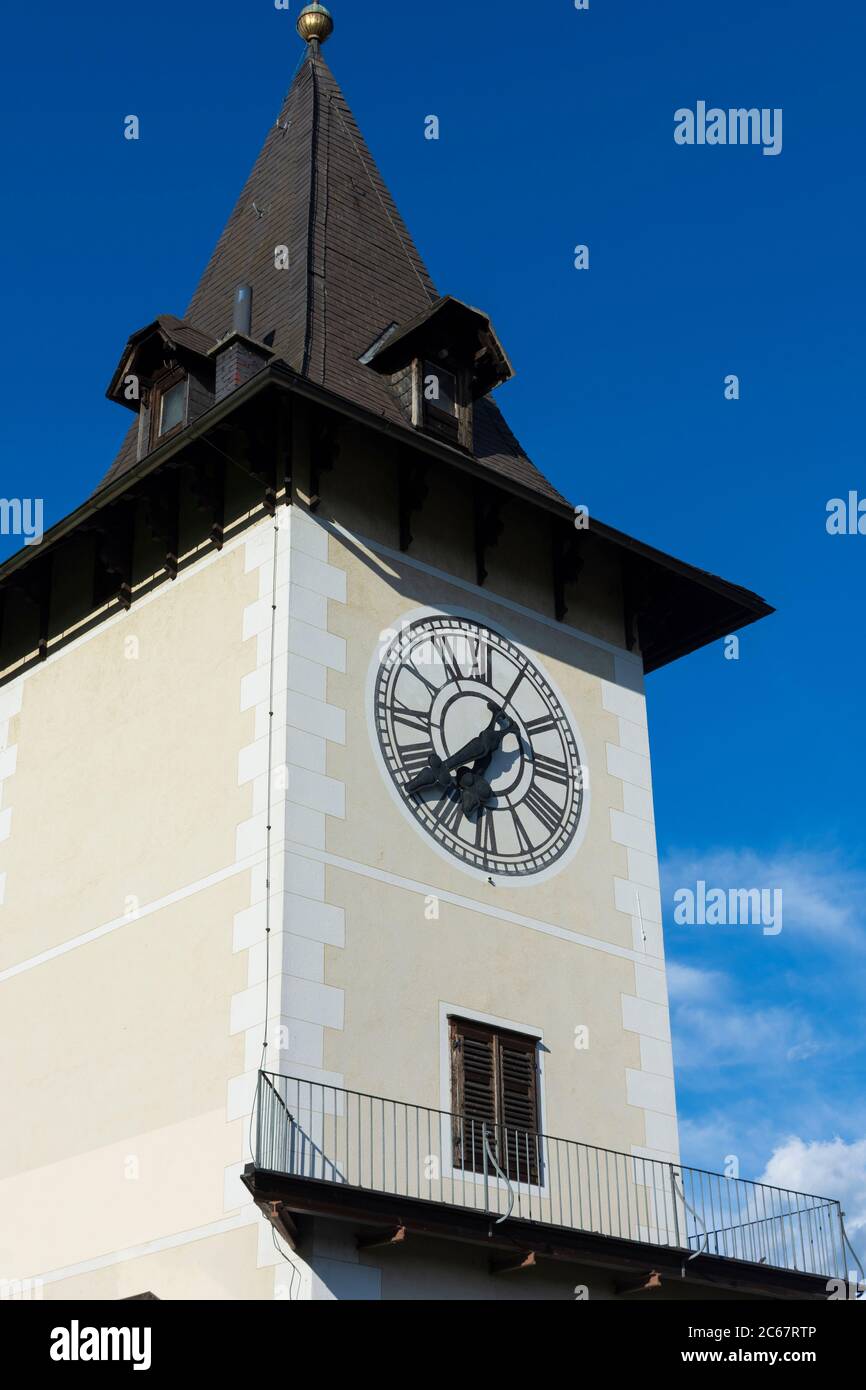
(397, 966)
(220, 1265)
(126, 779)
(121, 885)
(581, 948)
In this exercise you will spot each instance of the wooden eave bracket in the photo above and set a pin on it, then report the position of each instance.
(285, 446)
(207, 480)
(324, 452)
(162, 515)
(267, 476)
(488, 527)
(651, 1281)
(113, 529)
(567, 566)
(412, 492)
(283, 1222)
(512, 1264)
(638, 598)
(35, 585)
(392, 1235)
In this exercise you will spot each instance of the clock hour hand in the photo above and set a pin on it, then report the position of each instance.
(435, 774)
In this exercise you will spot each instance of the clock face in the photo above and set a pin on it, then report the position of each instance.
(478, 746)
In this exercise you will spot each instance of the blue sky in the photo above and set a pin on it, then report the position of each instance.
(557, 129)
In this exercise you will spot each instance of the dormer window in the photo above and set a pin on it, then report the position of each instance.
(166, 375)
(168, 395)
(172, 407)
(439, 400)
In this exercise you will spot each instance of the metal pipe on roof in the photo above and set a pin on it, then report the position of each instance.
(242, 310)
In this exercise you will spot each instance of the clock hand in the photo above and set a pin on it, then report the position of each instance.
(479, 750)
(485, 744)
(435, 774)
(475, 791)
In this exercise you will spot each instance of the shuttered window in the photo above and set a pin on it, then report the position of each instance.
(495, 1100)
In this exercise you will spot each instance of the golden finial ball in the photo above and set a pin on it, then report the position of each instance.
(315, 22)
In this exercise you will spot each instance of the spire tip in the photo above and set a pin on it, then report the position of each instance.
(315, 24)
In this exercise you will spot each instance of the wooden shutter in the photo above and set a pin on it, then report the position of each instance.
(494, 1084)
(474, 1089)
(518, 1107)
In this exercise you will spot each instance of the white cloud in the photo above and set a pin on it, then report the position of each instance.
(821, 894)
(710, 1033)
(713, 1029)
(801, 1052)
(688, 985)
(832, 1168)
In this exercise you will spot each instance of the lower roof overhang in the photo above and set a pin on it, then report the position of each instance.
(632, 1264)
(679, 607)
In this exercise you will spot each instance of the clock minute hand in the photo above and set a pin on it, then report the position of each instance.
(475, 790)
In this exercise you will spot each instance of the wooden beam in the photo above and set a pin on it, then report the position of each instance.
(207, 485)
(567, 565)
(249, 442)
(638, 597)
(488, 526)
(162, 515)
(324, 452)
(283, 1223)
(394, 1235)
(512, 1264)
(411, 494)
(115, 530)
(286, 446)
(35, 584)
(646, 1284)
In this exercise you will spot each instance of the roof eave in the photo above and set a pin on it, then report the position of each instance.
(115, 489)
(745, 606)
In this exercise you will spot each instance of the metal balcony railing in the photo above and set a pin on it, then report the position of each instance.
(308, 1130)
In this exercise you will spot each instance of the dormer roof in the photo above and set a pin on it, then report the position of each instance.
(166, 337)
(449, 332)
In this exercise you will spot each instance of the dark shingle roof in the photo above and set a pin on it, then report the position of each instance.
(353, 267)
(185, 334)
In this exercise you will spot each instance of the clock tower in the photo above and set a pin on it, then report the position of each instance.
(333, 960)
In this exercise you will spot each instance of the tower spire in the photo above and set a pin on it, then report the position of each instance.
(315, 24)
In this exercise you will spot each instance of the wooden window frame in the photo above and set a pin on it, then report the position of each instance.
(436, 422)
(164, 382)
(515, 1147)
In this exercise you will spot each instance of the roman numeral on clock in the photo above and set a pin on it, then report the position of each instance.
(485, 834)
(419, 720)
(415, 756)
(553, 769)
(444, 648)
(509, 694)
(482, 661)
(543, 808)
(449, 812)
(419, 675)
(545, 724)
(522, 838)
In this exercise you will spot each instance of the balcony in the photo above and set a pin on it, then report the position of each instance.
(401, 1167)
